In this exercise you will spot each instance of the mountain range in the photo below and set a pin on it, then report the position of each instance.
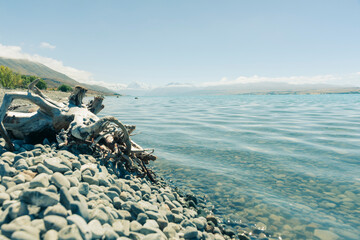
(51, 77)
(259, 88)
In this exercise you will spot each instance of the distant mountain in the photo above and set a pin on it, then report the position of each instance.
(260, 88)
(52, 77)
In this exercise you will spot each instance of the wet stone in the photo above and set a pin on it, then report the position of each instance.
(211, 218)
(191, 233)
(325, 234)
(200, 223)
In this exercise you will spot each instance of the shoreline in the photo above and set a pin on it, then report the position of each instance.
(48, 193)
(53, 186)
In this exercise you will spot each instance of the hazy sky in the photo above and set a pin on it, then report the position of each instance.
(157, 42)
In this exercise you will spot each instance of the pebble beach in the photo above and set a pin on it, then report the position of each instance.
(50, 193)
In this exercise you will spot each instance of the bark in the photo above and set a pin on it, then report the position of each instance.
(73, 123)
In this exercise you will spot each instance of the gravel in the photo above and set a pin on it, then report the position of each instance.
(46, 193)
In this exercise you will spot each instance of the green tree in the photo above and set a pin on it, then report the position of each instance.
(65, 88)
(26, 80)
(9, 79)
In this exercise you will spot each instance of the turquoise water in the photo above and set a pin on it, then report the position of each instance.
(289, 162)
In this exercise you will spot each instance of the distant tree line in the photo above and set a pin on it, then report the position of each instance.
(10, 79)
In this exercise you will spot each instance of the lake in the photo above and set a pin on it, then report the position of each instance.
(287, 163)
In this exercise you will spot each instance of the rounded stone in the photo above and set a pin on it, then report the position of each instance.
(96, 229)
(51, 235)
(190, 233)
(70, 233)
(57, 210)
(60, 180)
(41, 180)
(54, 222)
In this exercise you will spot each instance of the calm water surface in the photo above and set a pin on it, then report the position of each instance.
(289, 162)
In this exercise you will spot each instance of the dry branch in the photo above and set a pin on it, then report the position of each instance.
(73, 123)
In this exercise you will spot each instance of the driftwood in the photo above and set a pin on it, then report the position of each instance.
(73, 123)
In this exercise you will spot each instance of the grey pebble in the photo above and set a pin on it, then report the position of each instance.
(60, 180)
(191, 233)
(4, 197)
(100, 215)
(54, 222)
(154, 236)
(83, 188)
(110, 234)
(41, 180)
(51, 235)
(26, 233)
(43, 169)
(82, 226)
(142, 217)
(65, 197)
(135, 226)
(39, 197)
(55, 165)
(123, 214)
(70, 233)
(90, 179)
(96, 228)
(80, 209)
(57, 209)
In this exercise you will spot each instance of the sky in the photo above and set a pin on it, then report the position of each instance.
(154, 43)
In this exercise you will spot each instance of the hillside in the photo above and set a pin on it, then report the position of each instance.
(52, 77)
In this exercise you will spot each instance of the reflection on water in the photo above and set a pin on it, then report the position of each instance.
(290, 162)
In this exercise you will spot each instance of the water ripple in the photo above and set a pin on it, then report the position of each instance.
(291, 162)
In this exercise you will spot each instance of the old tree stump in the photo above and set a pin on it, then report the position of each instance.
(71, 124)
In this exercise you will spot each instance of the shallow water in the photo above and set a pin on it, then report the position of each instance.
(290, 162)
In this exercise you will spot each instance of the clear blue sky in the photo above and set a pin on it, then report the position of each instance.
(157, 42)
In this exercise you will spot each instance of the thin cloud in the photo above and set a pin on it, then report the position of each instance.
(346, 79)
(47, 45)
(15, 52)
